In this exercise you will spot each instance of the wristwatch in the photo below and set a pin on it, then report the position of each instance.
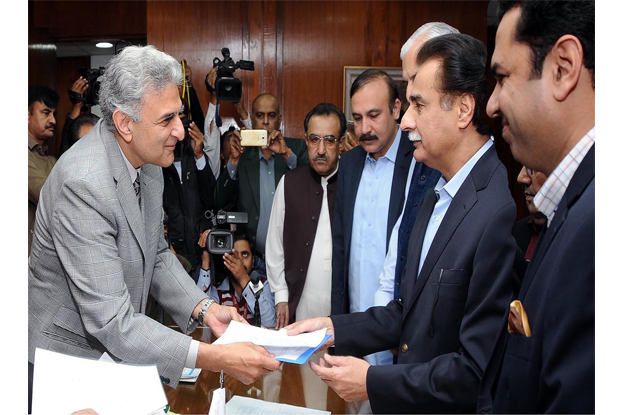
(204, 309)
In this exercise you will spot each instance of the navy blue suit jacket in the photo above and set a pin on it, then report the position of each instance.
(445, 322)
(349, 174)
(553, 371)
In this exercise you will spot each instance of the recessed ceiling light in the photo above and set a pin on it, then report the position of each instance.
(104, 45)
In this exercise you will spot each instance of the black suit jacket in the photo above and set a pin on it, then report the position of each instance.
(349, 174)
(243, 194)
(554, 369)
(446, 321)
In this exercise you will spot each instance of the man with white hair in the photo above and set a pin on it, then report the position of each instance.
(396, 257)
(98, 246)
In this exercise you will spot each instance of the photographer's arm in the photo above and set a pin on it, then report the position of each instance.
(212, 143)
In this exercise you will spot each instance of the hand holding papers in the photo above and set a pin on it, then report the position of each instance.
(286, 348)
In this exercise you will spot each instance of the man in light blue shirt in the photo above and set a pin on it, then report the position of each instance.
(372, 182)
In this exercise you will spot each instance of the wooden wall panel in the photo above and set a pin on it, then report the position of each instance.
(299, 47)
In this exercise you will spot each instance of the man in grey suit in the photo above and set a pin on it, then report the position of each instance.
(98, 247)
(458, 278)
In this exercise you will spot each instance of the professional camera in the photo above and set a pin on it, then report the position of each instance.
(90, 97)
(221, 240)
(227, 86)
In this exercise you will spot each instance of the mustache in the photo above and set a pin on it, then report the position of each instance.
(414, 136)
(50, 126)
(321, 157)
(367, 137)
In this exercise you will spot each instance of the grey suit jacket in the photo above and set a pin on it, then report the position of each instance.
(95, 257)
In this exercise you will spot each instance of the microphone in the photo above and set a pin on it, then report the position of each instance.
(256, 284)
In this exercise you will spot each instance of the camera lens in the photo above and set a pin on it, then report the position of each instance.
(220, 242)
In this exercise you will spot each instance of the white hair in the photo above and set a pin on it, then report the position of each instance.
(429, 30)
(129, 75)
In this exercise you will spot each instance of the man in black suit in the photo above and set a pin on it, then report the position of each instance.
(458, 281)
(253, 173)
(545, 95)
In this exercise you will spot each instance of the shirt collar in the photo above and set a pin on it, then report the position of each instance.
(551, 193)
(324, 180)
(261, 156)
(451, 187)
(31, 142)
(391, 154)
(132, 172)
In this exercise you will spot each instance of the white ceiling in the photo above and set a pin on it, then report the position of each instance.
(87, 48)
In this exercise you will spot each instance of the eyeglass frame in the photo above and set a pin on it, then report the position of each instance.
(326, 139)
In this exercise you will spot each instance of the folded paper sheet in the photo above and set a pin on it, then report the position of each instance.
(292, 349)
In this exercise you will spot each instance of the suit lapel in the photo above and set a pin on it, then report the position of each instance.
(398, 188)
(582, 177)
(125, 190)
(415, 245)
(253, 175)
(352, 182)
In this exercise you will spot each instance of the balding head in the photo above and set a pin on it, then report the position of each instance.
(266, 113)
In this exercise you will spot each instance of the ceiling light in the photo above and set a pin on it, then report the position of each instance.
(104, 45)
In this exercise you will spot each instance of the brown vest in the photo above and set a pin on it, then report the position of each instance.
(303, 196)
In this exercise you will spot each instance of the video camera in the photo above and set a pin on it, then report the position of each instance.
(227, 86)
(90, 97)
(221, 240)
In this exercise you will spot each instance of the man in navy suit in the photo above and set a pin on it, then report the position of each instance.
(370, 196)
(544, 65)
(458, 281)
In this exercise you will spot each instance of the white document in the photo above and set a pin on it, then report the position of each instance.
(284, 347)
(248, 406)
(64, 384)
(218, 403)
(190, 375)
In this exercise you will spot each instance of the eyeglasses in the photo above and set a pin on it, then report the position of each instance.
(330, 140)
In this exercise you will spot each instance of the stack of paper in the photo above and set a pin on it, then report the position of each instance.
(190, 375)
(248, 406)
(64, 384)
(292, 349)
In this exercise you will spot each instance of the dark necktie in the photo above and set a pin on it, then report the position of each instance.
(137, 186)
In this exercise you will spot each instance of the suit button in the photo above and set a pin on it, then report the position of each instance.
(301, 270)
(307, 243)
(423, 177)
(404, 348)
(314, 218)
(317, 191)
(256, 218)
(403, 257)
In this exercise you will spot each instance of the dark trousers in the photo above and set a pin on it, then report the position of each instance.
(31, 369)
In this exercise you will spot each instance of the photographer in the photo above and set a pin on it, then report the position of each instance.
(75, 96)
(187, 192)
(234, 288)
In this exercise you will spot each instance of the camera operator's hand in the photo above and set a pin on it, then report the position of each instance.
(235, 265)
(211, 79)
(187, 71)
(236, 149)
(205, 258)
(197, 140)
(348, 142)
(282, 315)
(240, 107)
(278, 145)
(79, 87)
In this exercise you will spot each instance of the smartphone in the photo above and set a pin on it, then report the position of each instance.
(256, 138)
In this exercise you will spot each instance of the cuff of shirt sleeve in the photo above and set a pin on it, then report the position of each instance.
(291, 162)
(249, 298)
(282, 296)
(382, 298)
(232, 170)
(192, 354)
(200, 163)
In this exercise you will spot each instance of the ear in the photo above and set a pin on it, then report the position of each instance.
(122, 124)
(396, 109)
(564, 65)
(466, 109)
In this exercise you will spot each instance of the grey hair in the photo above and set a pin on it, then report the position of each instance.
(129, 75)
(429, 30)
